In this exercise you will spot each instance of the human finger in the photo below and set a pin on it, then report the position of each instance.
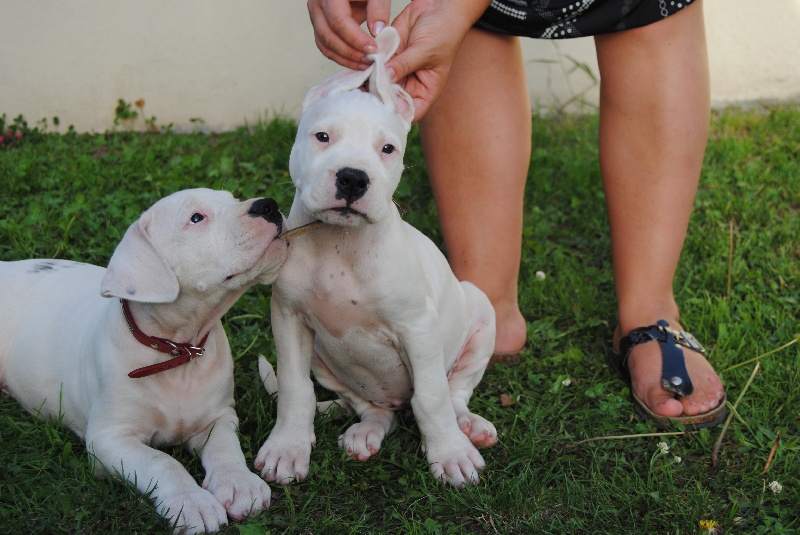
(338, 34)
(378, 12)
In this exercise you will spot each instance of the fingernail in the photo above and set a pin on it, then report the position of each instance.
(378, 28)
(390, 73)
(369, 49)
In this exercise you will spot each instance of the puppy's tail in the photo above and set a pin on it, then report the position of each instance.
(268, 376)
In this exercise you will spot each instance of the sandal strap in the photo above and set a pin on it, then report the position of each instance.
(674, 376)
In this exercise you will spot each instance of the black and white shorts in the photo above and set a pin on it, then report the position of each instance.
(564, 19)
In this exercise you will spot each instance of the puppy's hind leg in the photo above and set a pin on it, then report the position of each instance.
(363, 439)
(270, 380)
(468, 369)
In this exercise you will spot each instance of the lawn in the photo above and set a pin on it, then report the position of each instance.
(72, 196)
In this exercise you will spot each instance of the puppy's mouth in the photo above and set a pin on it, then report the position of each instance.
(347, 212)
(276, 238)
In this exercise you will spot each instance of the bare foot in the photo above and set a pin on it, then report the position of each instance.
(645, 366)
(512, 330)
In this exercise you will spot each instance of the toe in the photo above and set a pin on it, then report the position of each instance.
(645, 369)
(708, 390)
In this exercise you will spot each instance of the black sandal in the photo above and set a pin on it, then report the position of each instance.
(674, 376)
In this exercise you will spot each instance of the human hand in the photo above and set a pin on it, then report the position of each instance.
(431, 33)
(338, 33)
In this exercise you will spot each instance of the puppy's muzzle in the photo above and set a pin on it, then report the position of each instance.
(268, 209)
(351, 184)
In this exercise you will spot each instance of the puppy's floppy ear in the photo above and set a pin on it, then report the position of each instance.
(137, 271)
(390, 94)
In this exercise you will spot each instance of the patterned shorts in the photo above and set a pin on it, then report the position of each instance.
(564, 19)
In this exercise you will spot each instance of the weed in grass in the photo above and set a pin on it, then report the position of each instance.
(73, 195)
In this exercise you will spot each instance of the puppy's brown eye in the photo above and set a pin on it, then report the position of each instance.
(388, 149)
(322, 137)
(196, 218)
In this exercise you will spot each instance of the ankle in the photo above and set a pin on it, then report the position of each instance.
(512, 330)
(633, 317)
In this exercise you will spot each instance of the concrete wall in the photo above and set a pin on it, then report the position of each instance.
(234, 62)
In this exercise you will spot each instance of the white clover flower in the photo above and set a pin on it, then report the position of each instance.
(678, 459)
(566, 382)
(540, 275)
(663, 447)
(775, 487)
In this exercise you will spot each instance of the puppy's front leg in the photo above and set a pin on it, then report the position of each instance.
(176, 495)
(450, 453)
(286, 454)
(240, 491)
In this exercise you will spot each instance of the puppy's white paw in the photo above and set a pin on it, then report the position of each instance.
(283, 460)
(241, 492)
(455, 461)
(362, 440)
(197, 511)
(479, 430)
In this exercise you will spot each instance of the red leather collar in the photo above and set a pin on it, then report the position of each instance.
(182, 353)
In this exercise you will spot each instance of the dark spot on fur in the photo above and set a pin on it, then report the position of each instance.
(44, 266)
(342, 273)
(130, 290)
(354, 301)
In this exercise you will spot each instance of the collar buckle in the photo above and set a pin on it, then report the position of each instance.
(181, 353)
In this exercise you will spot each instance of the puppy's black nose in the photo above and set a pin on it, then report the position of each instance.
(351, 184)
(268, 209)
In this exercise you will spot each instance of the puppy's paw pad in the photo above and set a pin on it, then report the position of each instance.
(455, 461)
(362, 440)
(197, 511)
(480, 431)
(458, 473)
(241, 492)
(283, 463)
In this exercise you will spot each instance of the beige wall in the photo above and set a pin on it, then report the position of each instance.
(237, 61)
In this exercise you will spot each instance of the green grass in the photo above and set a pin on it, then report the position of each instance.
(72, 196)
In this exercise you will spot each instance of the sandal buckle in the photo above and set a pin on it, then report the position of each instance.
(683, 338)
(688, 340)
(693, 343)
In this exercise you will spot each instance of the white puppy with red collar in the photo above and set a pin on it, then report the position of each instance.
(159, 373)
(366, 301)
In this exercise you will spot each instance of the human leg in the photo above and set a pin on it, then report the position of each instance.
(476, 138)
(654, 120)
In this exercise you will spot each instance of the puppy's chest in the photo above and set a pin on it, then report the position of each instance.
(343, 294)
(337, 304)
(184, 404)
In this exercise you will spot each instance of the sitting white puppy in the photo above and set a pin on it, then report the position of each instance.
(157, 370)
(366, 301)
